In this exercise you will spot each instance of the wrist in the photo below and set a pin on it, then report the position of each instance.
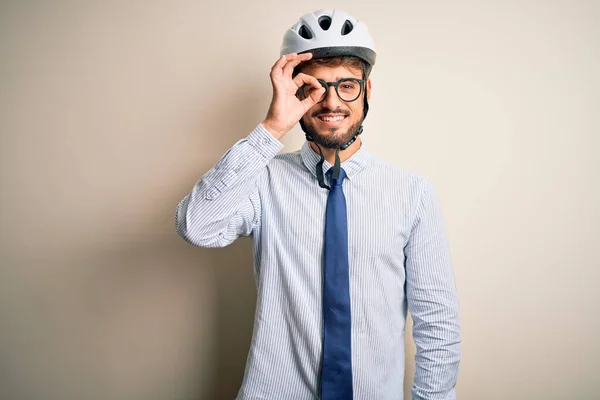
(272, 129)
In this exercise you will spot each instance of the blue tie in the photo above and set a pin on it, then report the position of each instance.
(336, 376)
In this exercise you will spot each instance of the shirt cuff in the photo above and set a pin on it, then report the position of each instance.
(264, 143)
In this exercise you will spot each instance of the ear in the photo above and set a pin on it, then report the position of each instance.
(369, 89)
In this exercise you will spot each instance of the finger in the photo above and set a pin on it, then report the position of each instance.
(301, 79)
(294, 62)
(277, 69)
(278, 65)
(313, 98)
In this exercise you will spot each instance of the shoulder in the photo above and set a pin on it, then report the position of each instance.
(287, 157)
(285, 165)
(399, 176)
(285, 161)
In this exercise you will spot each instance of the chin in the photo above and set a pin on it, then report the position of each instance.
(332, 134)
(332, 139)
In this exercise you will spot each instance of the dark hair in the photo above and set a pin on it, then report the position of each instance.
(345, 61)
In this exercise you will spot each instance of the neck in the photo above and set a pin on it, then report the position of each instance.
(329, 154)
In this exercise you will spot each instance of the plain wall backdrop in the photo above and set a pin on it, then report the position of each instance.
(111, 111)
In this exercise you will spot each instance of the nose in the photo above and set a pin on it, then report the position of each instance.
(332, 101)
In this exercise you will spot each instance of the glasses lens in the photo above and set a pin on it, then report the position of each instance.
(349, 89)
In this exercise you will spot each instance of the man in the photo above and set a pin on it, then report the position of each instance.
(344, 243)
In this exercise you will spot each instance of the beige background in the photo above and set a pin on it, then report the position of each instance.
(110, 111)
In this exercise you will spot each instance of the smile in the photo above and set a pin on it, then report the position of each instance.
(332, 119)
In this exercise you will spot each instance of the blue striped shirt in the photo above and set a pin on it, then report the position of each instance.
(399, 261)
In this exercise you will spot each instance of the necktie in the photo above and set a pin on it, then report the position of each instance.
(336, 374)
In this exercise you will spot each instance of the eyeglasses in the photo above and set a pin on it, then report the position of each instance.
(347, 89)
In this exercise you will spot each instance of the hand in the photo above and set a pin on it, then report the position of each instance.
(286, 109)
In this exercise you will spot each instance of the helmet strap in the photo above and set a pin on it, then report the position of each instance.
(319, 168)
(337, 163)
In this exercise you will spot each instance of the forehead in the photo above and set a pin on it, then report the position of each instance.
(332, 73)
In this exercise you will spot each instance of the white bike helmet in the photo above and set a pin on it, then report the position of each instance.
(331, 33)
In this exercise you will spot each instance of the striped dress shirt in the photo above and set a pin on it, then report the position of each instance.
(399, 261)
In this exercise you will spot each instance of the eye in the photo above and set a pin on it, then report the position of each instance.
(348, 85)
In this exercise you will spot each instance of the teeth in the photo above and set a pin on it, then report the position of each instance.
(329, 119)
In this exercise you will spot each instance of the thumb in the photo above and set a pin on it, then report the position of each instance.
(313, 98)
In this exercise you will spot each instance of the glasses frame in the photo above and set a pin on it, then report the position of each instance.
(336, 85)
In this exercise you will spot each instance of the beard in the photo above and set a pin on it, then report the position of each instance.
(331, 138)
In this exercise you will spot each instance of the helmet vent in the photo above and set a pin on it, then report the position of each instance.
(305, 32)
(324, 22)
(347, 28)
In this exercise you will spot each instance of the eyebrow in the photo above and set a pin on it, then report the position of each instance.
(338, 78)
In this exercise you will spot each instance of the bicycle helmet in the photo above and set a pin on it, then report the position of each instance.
(331, 33)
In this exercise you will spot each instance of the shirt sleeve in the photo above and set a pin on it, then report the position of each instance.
(224, 204)
(432, 302)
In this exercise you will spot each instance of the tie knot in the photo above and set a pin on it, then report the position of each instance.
(336, 182)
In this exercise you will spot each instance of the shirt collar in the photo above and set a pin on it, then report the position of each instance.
(352, 165)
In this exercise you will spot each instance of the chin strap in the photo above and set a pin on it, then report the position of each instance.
(337, 165)
(319, 171)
